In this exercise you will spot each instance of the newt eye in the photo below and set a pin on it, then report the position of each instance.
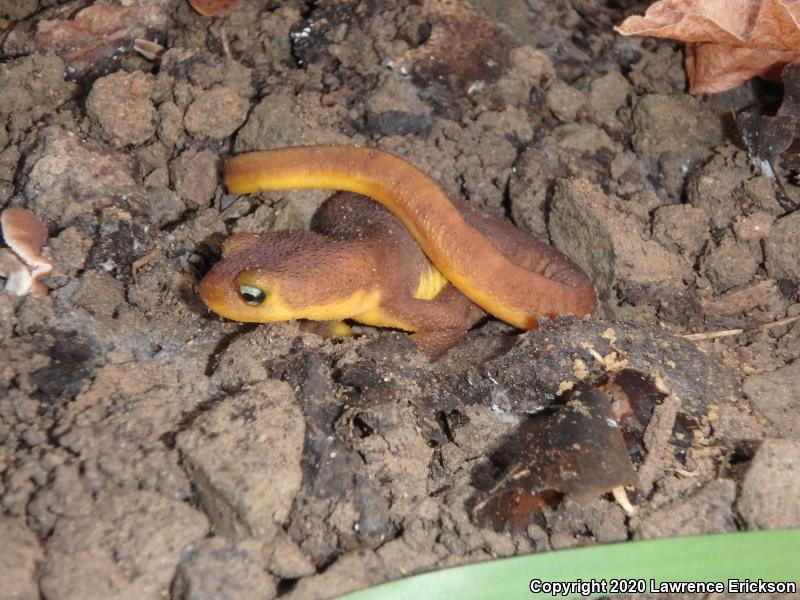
(252, 295)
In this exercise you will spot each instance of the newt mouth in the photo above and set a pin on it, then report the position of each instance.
(219, 293)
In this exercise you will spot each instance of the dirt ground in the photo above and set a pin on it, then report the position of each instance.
(149, 449)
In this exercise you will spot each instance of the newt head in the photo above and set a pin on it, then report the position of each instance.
(288, 275)
(238, 295)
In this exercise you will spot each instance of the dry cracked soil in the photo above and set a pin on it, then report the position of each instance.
(150, 449)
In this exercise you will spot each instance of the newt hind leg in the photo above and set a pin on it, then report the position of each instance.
(438, 324)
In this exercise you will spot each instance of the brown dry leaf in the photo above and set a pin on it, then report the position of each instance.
(727, 41)
(578, 450)
(209, 8)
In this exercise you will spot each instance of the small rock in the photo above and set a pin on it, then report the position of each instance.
(604, 521)
(570, 150)
(127, 546)
(194, 176)
(564, 101)
(72, 249)
(285, 558)
(152, 158)
(611, 246)
(218, 568)
(717, 187)
(759, 355)
(465, 51)
(170, 124)
(534, 64)
(484, 175)
(18, 10)
(399, 452)
(188, 234)
(394, 108)
(216, 113)
(88, 185)
(736, 424)
(788, 348)
(674, 167)
(528, 68)
(607, 94)
(753, 305)
(117, 422)
(774, 395)
(64, 496)
(158, 178)
(584, 138)
(205, 69)
(782, 248)
(659, 70)
(681, 228)
(99, 293)
(69, 179)
(121, 105)
(753, 227)
(708, 510)
(403, 556)
(20, 557)
(675, 123)
(481, 427)
(770, 496)
(30, 88)
(761, 192)
(348, 573)
(166, 205)
(278, 121)
(244, 459)
(729, 264)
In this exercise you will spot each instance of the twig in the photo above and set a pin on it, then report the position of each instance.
(140, 264)
(710, 335)
(223, 37)
(778, 323)
(685, 473)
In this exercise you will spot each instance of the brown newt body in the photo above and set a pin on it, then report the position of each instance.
(361, 263)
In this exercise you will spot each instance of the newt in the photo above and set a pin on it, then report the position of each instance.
(418, 264)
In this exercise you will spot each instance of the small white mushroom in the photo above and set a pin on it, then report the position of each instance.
(18, 278)
(25, 235)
